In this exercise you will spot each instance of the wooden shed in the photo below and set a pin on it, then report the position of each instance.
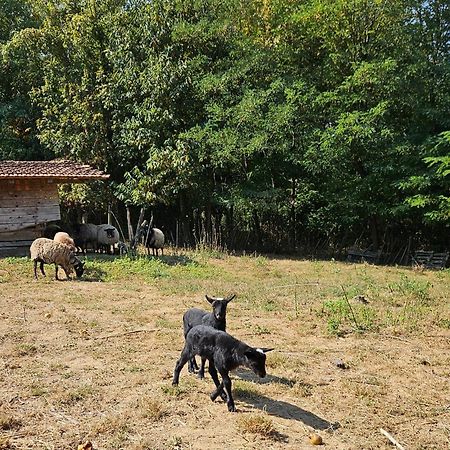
(29, 198)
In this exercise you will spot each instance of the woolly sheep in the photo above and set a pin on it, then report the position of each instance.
(107, 236)
(47, 251)
(224, 353)
(85, 234)
(216, 319)
(50, 230)
(153, 238)
(64, 238)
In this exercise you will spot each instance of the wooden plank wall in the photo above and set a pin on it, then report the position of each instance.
(25, 206)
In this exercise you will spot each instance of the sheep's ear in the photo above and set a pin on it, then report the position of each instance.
(210, 300)
(228, 299)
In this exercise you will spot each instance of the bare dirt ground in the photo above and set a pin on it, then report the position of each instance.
(93, 360)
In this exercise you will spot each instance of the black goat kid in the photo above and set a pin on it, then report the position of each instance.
(215, 319)
(224, 353)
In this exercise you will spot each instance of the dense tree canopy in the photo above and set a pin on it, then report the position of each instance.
(271, 124)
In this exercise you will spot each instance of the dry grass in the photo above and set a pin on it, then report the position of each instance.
(256, 424)
(69, 372)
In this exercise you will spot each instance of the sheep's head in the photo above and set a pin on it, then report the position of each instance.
(219, 305)
(77, 264)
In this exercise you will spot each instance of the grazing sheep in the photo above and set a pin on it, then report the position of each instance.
(215, 319)
(224, 353)
(47, 251)
(107, 236)
(153, 238)
(64, 238)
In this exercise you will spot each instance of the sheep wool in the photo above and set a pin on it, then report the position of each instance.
(47, 251)
(107, 235)
(157, 239)
(64, 238)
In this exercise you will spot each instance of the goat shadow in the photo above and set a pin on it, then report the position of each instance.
(281, 408)
(246, 375)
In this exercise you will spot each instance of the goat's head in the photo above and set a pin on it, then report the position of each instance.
(219, 305)
(256, 360)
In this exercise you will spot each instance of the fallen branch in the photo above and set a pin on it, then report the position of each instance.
(141, 330)
(394, 441)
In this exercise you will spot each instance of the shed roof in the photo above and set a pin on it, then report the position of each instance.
(59, 170)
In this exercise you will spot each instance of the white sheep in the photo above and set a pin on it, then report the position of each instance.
(64, 238)
(47, 251)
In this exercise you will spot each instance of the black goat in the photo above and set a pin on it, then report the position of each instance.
(224, 353)
(215, 319)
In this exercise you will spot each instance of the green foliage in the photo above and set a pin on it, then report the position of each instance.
(283, 121)
(342, 316)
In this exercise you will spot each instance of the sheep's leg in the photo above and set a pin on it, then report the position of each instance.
(184, 358)
(56, 272)
(35, 269)
(42, 268)
(67, 273)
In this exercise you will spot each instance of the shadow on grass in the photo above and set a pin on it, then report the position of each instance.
(92, 274)
(169, 260)
(174, 260)
(246, 375)
(280, 408)
(288, 411)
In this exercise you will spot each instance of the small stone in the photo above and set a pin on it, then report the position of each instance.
(341, 364)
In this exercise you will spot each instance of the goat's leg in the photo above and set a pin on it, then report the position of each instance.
(226, 381)
(192, 366)
(219, 386)
(201, 372)
(184, 358)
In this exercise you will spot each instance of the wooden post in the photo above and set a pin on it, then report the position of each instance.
(134, 243)
(110, 215)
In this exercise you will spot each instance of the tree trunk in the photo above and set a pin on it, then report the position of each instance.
(130, 226)
(184, 218)
(293, 215)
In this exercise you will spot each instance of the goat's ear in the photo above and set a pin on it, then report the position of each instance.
(210, 300)
(229, 298)
(265, 350)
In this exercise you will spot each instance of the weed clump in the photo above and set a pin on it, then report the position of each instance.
(256, 424)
